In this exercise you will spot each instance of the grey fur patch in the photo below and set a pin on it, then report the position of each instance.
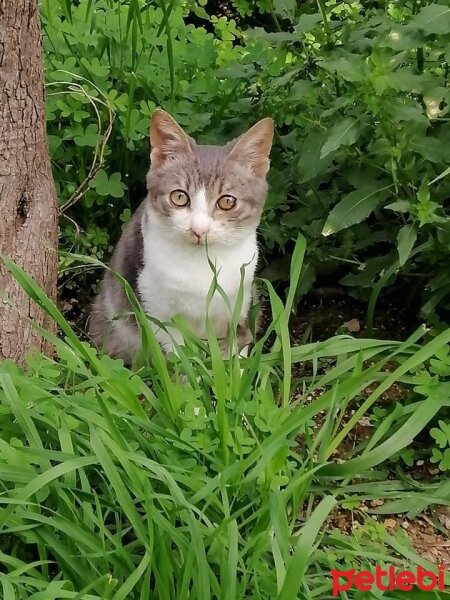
(127, 260)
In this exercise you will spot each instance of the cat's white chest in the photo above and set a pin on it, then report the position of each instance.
(176, 279)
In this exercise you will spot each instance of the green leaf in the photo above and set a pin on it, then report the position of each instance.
(285, 8)
(116, 187)
(275, 37)
(126, 589)
(402, 206)
(89, 137)
(405, 109)
(105, 186)
(407, 456)
(369, 271)
(441, 176)
(305, 546)
(440, 437)
(443, 458)
(434, 18)
(301, 90)
(307, 22)
(405, 242)
(354, 208)
(54, 142)
(445, 462)
(407, 80)
(351, 69)
(433, 149)
(311, 164)
(93, 66)
(344, 133)
(436, 456)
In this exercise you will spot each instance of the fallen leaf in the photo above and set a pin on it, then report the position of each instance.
(353, 325)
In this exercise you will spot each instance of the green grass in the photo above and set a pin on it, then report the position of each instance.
(132, 485)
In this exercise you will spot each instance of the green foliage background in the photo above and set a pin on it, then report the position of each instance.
(359, 93)
(198, 478)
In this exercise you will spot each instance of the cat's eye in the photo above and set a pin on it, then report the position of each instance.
(179, 198)
(226, 202)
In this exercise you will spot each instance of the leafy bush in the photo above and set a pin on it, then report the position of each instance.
(359, 94)
(363, 104)
(128, 485)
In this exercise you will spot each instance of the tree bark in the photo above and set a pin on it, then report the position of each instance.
(28, 206)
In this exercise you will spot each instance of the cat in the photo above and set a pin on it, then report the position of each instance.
(204, 204)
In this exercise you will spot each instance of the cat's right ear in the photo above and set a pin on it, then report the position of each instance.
(167, 139)
(252, 148)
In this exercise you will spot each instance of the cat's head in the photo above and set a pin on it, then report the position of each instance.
(203, 193)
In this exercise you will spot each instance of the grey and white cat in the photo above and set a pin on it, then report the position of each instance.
(203, 201)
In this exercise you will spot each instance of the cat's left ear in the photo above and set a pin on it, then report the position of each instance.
(167, 139)
(252, 148)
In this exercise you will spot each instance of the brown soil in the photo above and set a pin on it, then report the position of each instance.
(324, 315)
(428, 533)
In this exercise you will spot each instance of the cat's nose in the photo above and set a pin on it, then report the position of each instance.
(199, 235)
(200, 230)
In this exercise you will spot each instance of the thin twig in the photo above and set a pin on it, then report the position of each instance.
(98, 159)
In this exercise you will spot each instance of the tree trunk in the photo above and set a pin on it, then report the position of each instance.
(28, 206)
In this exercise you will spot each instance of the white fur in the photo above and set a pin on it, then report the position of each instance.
(201, 222)
(176, 276)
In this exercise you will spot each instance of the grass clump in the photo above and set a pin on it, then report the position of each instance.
(140, 485)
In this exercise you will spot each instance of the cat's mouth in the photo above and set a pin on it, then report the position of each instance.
(196, 239)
